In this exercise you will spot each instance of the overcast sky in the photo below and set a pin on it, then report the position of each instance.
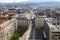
(8, 1)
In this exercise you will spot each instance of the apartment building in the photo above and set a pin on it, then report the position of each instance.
(57, 15)
(39, 21)
(24, 20)
(7, 28)
(52, 29)
(8, 25)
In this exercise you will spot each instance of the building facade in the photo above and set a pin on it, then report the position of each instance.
(52, 29)
(23, 20)
(39, 21)
(7, 29)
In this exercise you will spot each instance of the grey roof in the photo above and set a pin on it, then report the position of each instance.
(58, 12)
(52, 26)
(21, 18)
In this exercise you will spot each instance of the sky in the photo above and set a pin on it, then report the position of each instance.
(11, 1)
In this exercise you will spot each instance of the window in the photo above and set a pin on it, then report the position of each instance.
(1, 35)
(58, 23)
(59, 37)
(0, 28)
(52, 37)
(7, 34)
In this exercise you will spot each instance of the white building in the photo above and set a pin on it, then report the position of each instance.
(39, 21)
(52, 29)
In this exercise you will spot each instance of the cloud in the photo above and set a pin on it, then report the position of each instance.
(56, 0)
(8, 1)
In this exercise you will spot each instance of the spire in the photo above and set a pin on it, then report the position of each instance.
(14, 2)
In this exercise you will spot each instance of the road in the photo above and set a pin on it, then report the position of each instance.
(32, 34)
(36, 34)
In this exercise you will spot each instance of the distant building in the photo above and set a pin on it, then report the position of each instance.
(52, 29)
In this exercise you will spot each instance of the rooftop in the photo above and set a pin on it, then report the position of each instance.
(5, 17)
(4, 24)
(53, 23)
(24, 16)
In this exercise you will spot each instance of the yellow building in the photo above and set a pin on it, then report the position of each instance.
(39, 21)
(7, 28)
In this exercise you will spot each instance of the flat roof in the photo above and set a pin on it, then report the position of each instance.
(24, 16)
(49, 22)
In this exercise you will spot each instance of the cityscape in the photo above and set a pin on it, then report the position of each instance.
(30, 20)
